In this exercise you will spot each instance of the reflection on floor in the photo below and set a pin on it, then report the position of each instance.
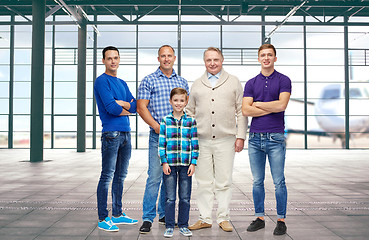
(328, 197)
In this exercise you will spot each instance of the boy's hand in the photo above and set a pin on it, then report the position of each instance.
(191, 170)
(166, 169)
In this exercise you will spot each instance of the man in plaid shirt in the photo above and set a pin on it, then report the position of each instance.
(153, 105)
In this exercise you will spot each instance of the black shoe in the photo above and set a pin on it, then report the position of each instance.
(256, 225)
(162, 220)
(146, 227)
(280, 229)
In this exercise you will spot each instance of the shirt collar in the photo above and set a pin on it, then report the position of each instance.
(216, 75)
(270, 76)
(160, 73)
(184, 116)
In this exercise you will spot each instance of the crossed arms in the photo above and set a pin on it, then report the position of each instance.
(258, 109)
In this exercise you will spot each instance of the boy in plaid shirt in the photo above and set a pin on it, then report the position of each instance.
(178, 152)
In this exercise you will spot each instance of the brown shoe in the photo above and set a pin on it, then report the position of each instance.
(226, 226)
(198, 225)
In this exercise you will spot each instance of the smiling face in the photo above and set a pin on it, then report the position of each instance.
(267, 58)
(166, 59)
(213, 62)
(111, 62)
(178, 102)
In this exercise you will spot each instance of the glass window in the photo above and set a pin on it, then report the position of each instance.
(65, 140)
(22, 89)
(21, 122)
(66, 73)
(324, 40)
(22, 56)
(21, 139)
(4, 73)
(4, 89)
(22, 106)
(65, 89)
(241, 39)
(325, 57)
(327, 74)
(3, 125)
(65, 106)
(4, 55)
(66, 39)
(65, 123)
(4, 106)
(117, 38)
(22, 73)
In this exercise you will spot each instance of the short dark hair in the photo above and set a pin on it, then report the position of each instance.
(178, 91)
(109, 48)
(166, 45)
(266, 46)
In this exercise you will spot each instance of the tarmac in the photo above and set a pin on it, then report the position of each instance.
(328, 197)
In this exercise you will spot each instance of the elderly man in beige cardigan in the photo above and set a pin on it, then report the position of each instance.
(216, 103)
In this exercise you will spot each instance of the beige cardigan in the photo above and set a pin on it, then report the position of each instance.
(218, 110)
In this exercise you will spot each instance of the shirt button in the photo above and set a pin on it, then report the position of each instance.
(213, 136)
(212, 112)
(213, 89)
(213, 125)
(212, 100)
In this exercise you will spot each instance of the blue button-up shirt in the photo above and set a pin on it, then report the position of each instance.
(213, 78)
(178, 142)
(156, 88)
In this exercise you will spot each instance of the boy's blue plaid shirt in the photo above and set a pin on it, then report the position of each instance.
(178, 142)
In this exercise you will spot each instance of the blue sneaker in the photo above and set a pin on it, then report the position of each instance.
(185, 232)
(168, 233)
(107, 225)
(124, 219)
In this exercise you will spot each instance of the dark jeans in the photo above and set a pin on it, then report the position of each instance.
(116, 153)
(178, 175)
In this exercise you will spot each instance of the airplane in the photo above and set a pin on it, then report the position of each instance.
(329, 113)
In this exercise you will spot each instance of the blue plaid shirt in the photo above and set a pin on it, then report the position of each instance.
(156, 88)
(178, 142)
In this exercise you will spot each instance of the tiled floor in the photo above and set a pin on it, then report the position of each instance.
(56, 199)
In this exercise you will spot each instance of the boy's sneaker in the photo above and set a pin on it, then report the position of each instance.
(280, 229)
(107, 225)
(123, 219)
(146, 227)
(168, 233)
(256, 225)
(162, 220)
(185, 232)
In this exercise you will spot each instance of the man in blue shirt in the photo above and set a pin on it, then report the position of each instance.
(153, 105)
(115, 103)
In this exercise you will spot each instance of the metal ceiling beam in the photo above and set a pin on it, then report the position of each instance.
(149, 12)
(116, 13)
(291, 13)
(212, 13)
(193, 23)
(18, 13)
(52, 11)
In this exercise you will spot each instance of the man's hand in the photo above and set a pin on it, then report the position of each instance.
(166, 169)
(239, 144)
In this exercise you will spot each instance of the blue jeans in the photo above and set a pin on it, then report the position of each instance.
(177, 174)
(273, 145)
(116, 153)
(154, 179)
